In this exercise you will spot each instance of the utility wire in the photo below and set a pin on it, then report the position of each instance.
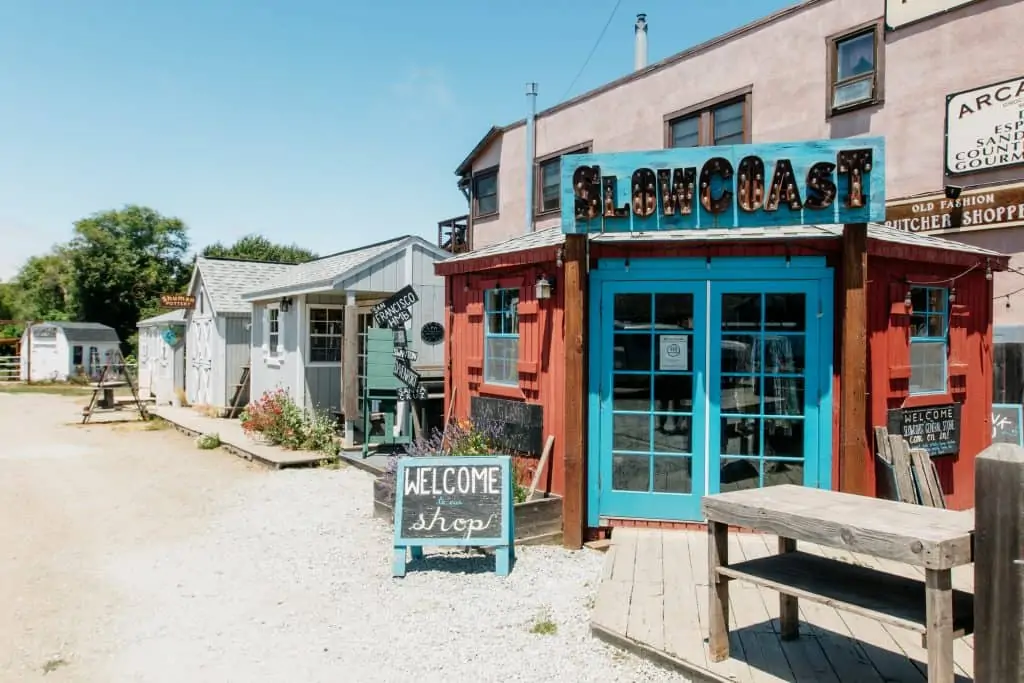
(590, 56)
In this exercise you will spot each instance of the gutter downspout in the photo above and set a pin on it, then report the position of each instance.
(531, 153)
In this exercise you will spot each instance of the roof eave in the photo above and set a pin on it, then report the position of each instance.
(489, 136)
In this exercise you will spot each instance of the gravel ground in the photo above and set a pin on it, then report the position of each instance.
(133, 556)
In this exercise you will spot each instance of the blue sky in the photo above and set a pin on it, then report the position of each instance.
(325, 123)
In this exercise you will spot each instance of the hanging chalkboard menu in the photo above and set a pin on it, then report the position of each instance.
(454, 501)
(935, 429)
(1006, 423)
(521, 424)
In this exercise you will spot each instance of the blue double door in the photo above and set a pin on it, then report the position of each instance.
(706, 386)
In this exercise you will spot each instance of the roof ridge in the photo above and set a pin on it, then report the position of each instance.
(362, 248)
(246, 260)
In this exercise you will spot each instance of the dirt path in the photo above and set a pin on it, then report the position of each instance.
(73, 498)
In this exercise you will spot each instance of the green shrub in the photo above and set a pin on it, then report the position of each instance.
(281, 422)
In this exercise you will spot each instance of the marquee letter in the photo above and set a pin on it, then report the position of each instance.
(783, 188)
(750, 186)
(856, 163)
(645, 196)
(821, 191)
(721, 167)
(676, 190)
(586, 186)
(610, 192)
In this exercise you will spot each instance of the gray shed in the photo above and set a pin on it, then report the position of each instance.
(56, 350)
(218, 327)
(298, 318)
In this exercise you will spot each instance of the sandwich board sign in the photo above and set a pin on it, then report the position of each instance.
(462, 500)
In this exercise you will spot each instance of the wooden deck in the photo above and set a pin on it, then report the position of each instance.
(653, 599)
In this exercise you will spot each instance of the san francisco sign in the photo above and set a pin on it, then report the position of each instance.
(823, 182)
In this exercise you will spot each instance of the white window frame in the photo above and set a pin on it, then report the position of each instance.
(308, 333)
(273, 353)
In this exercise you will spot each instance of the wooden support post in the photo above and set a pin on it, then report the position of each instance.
(999, 564)
(789, 608)
(574, 518)
(350, 372)
(718, 585)
(853, 423)
(939, 629)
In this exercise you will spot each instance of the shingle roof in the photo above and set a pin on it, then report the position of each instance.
(324, 272)
(227, 279)
(175, 316)
(86, 332)
(553, 237)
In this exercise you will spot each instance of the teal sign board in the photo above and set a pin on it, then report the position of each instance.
(170, 337)
(820, 182)
(454, 501)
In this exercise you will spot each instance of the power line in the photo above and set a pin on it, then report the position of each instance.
(590, 56)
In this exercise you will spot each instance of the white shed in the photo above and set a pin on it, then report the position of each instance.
(57, 350)
(161, 357)
(218, 327)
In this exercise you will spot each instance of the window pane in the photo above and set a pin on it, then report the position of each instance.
(633, 311)
(857, 91)
(550, 185)
(501, 360)
(728, 121)
(325, 349)
(486, 193)
(927, 367)
(686, 132)
(855, 56)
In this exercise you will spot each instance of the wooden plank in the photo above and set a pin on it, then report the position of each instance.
(928, 537)
(718, 591)
(926, 477)
(883, 463)
(902, 469)
(853, 359)
(611, 604)
(999, 563)
(541, 466)
(884, 597)
(575, 425)
(646, 622)
(683, 635)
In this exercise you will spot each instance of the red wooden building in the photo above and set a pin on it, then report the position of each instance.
(917, 288)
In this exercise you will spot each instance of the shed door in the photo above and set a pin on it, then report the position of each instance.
(200, 339)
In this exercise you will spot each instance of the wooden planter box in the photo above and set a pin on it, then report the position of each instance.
(536, 523)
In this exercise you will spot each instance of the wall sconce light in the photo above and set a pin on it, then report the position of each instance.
(560, 257)
(988, 270)
(286, 303)
(952, 296)
(544, 287)
(953, 191)
(907, 302)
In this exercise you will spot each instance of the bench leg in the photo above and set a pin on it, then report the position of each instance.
(789, 610)
(718, 556)
(939, 610)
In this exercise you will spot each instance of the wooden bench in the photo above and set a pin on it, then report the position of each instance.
(934, 539)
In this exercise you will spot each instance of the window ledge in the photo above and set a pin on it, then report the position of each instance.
(548, 214)
(924, 400)
(273, 361)
(480, 216)
(324, 364)
(873, 102)
(503, 391)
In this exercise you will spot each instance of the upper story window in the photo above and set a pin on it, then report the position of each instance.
(501, 336)
(722, 121)
(549, 179)
(855, 68)
(485, 193)
(929, 328)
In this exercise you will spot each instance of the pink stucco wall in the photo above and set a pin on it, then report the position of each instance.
(785, 62)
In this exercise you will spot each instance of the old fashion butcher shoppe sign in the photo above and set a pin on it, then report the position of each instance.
(982, 208)
(799, 183)
(985, 128)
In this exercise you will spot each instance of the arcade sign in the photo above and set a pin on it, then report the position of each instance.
(820, 182)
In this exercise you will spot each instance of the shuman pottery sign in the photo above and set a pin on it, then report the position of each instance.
(985, 128)
(454, 501)
(697, 188)
(978, 209)
(900, 13)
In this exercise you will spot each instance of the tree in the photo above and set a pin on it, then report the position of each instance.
(259, 248)
(44, 288)
(123, 261)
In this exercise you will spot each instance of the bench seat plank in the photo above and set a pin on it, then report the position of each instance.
(875, 594)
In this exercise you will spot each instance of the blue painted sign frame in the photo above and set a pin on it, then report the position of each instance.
(503, 543)
(700, 188)
(1016, 409)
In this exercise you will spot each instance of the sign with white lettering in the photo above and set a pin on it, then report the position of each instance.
(394, 310)
(982, 208)
(1007, 420)
(985, 128)
(461, 500)
(935, 429)
(819, 182)
(900, 13)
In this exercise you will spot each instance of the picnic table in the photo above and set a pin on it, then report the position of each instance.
(934, 539)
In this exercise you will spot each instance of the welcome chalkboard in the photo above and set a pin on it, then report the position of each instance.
(454, 501)
(935, 429)
(1006, 423)
(521, 424)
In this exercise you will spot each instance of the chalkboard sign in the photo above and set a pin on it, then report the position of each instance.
(432, 333)
(456, 501)
(935, 429)
(521, 423)
(1006, 423)
(394, 310)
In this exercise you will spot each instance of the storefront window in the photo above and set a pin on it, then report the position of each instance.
(929, 326)
(501, 336)
(326, 329)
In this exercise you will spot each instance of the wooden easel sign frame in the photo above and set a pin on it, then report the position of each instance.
(463, 500)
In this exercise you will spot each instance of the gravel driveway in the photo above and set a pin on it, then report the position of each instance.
(127, 554)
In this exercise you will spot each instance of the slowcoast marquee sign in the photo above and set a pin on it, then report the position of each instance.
(821, 182)
(985, 128)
